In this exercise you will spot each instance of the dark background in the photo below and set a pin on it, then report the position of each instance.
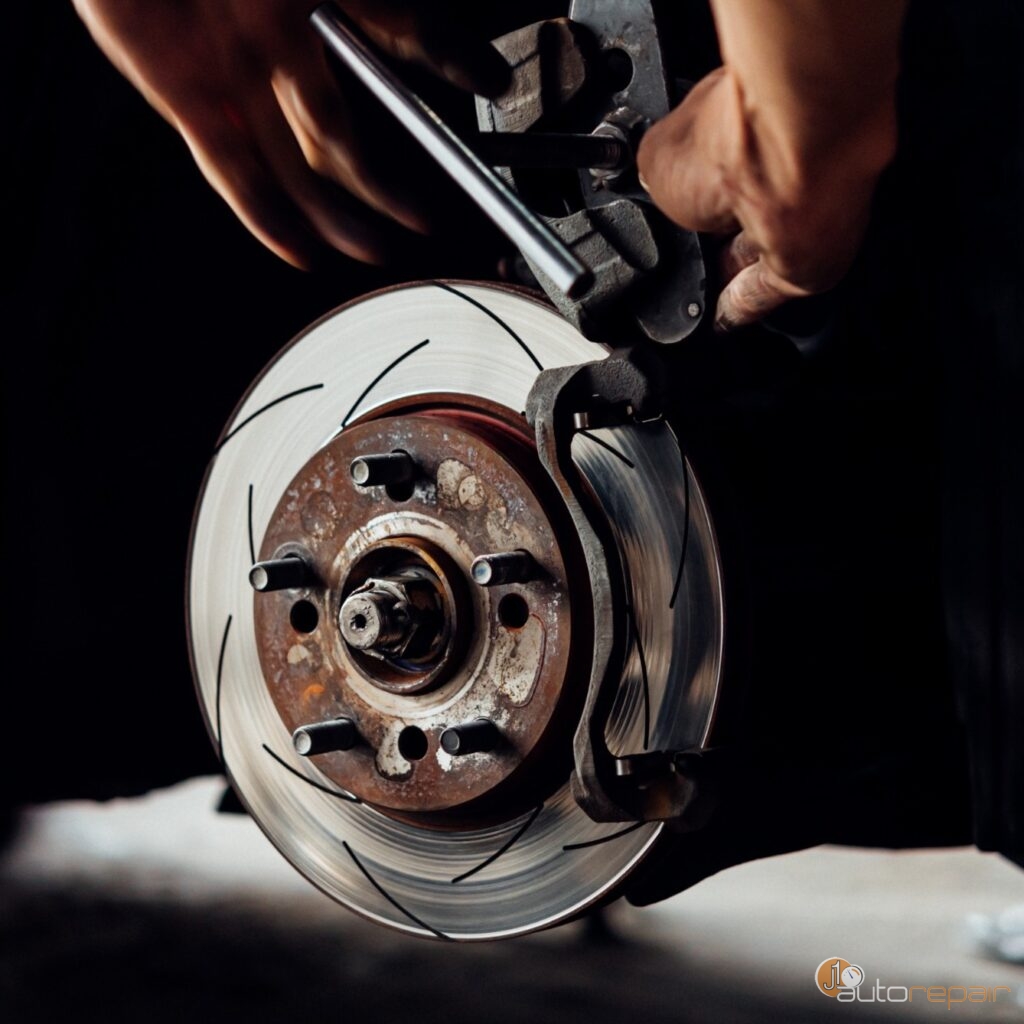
(140, 312)
(137, 310)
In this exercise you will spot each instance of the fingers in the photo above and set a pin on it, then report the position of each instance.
(250, 156)
(279, 158)
(740, 252)
(452, 49)
(751, 295)
(438, 39)
(345, 141)
(330, 134)
(339, 219)
(701, 168)
(237, 171)
(248, 87)
(681, 157)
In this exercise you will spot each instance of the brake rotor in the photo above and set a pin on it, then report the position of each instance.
(425, 644)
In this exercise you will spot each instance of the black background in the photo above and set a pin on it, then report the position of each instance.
(137, 311)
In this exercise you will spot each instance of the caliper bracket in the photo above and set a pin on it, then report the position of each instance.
(619, 390)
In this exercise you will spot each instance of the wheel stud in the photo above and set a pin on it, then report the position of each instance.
(285, 573)
(478, 737)
(383, 470)
(503, 567)
(325, 737)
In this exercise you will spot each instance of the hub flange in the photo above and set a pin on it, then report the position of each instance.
(397, 636)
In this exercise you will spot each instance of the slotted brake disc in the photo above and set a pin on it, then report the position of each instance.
(395, 687)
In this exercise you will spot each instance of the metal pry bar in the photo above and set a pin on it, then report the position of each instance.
(525, 229)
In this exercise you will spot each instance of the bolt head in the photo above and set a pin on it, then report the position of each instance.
(361, 622)
(400, 616)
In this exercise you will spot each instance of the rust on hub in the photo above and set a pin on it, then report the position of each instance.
(406, 646)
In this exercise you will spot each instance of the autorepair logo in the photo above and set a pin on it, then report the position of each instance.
(835, 974)
(845, 982)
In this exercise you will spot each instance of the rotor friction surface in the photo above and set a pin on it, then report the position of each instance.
(552, 861)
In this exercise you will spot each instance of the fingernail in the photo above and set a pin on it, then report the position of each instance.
(724, 320)
(643, 182)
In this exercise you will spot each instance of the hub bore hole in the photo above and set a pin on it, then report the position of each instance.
(359, 622)
(412, 743)
(400, 492)
(304, 617)
(619, 66)
(513, 611)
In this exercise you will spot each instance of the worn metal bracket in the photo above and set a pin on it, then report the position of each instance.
(649, 277)
(621, 389)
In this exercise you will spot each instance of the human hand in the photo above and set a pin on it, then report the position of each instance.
(247, 85)
(793, 205)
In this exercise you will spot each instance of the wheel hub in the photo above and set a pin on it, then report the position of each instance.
(392, 630)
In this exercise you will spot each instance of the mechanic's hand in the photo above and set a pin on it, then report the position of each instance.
(795, 213)
(247, 85)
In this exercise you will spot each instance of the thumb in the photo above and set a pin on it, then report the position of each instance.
(751, 295)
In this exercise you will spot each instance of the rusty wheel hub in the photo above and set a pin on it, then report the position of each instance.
(457, 690)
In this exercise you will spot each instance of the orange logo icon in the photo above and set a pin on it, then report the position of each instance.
(835, 974)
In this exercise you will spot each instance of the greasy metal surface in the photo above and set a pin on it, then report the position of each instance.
(629, 26)
(648, 272)
(615, 240)
(551, 408)
(468, 499)
(548, 864)
(662, 305)
(548, 69)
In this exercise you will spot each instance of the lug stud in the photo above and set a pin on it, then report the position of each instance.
(325, 737)
(478, 737)
(503, 567)
(383, 470)
(285, 573)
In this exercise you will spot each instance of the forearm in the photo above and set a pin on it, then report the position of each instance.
(814, 77)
